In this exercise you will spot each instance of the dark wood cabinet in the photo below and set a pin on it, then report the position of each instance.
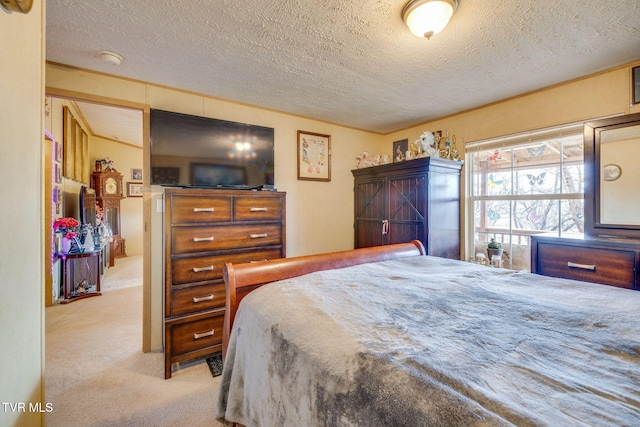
(607, 261)
(204, 229)
(416, 199)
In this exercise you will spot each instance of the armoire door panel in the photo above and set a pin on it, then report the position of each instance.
(370, 233)
(407, 199)
(402, 232)
(371, 201)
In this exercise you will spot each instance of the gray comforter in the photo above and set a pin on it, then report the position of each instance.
(428, 341)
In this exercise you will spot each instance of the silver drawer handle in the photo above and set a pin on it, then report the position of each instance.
(203, 335)
(257, 209)
(258, 236)
(203, 209)
(203, 239)
(199, 269)
(202, 299)
(581, 266)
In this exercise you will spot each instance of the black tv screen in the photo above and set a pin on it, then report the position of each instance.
(194, 151)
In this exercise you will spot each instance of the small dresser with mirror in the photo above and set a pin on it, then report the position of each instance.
(609, 250)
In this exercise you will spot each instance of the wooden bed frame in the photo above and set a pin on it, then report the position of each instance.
(240, 279)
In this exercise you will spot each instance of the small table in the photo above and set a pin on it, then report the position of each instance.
(81, 273)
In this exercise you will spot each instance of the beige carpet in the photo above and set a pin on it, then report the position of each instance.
(97, 375)
(126, 272)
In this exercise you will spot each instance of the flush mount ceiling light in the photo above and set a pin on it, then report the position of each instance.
(22, 6)
(111, 57)
(426, 18)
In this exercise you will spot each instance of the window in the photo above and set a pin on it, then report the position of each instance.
(523, 185)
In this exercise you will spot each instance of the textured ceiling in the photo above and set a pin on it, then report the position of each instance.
(353, 63)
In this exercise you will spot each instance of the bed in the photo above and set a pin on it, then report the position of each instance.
(388, 336)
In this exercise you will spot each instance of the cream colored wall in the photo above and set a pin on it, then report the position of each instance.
(315, 223)
(604, 94)
(125, 157)
(21, 255)
(319, 215)
(317, 212)
(607, 93)
(54, 125)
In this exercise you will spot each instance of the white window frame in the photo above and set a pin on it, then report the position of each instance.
(502, 143)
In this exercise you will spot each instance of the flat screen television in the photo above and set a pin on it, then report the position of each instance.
(194, 151)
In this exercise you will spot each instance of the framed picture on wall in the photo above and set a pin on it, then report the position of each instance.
(135, 189)
(136, 174)
(57, 151)
(635, 84)
(314, 156)
(55, 194)
(57, 173)
(399, 150)
(69, 141)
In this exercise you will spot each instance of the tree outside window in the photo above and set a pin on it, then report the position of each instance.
(525, 189)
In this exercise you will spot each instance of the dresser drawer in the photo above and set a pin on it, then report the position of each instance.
(185, 209)
(212, 238)
(257, 208)
(196, 298)
(605, 266)
(194, 335)
(203, 268)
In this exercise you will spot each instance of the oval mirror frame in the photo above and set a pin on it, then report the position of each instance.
(611, 191)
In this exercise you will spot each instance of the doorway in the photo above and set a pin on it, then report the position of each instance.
(117, 131)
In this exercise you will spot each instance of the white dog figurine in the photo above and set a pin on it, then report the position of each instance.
(427, 144)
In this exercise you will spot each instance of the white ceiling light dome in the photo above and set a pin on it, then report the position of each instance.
(426, 18)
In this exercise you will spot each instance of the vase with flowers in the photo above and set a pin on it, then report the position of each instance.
(68, 229)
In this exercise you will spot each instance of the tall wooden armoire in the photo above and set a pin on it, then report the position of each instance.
(415, 199)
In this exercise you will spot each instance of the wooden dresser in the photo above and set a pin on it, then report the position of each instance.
(203, 230)
(416, 199)
(607, 261)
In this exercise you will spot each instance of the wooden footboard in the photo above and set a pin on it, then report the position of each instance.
(240, 279)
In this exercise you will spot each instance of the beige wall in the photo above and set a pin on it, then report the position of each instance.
(605, 94)
(21, 210)
(125, 157)
(320, 215)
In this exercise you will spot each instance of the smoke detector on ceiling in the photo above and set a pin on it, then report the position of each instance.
(111, 57)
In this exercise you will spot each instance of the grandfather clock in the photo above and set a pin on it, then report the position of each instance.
(108, 186)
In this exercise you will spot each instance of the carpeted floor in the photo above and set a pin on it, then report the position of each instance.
(97, 375)
(126, 272)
